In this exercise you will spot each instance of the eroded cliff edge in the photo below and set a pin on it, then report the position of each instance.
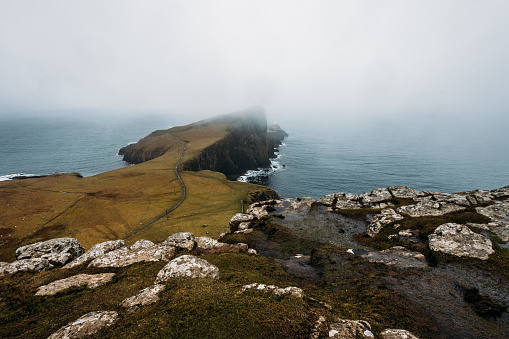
(242, 141)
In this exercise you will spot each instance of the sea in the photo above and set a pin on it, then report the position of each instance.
(318, 157)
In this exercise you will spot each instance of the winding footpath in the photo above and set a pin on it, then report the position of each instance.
(176, 205)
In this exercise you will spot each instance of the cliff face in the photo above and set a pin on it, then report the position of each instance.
(246, 146)
(248, 143)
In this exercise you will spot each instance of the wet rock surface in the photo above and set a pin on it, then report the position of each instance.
(86, 326)
(89, 280)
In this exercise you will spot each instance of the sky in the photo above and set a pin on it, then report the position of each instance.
(369, 58)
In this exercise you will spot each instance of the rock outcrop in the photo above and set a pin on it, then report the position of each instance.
(187, 266)
(499, 214)
(87, 325)
(144, 297)
(97, 251)
(276, 291)
(124, 256)
(182, 240)
(89, 280)
(459, 240)
(386, 217)
(30, 265)
(57, 251)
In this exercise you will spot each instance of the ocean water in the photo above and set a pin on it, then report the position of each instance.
(356, 156)
(87, 144)
(318, 156)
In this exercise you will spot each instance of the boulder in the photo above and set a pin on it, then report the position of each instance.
(144, 297)
(58, 251)
(459, 240)
(276, 291)
(90, 280)
(187, 266)
(141, 244)
(240, 219)
(397, 334)
(125, 257)
(86, 325)
(379, 221)
(398, 256)
(182, 240)
(209, 244)
(340, 200)
(96, 251)
(30, 265)
(350, 329)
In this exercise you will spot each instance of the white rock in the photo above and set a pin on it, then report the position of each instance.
(86, 325)
(459, 240)
(206, 244)
(146, 296)
(58, 251)
(141, 244)
(96, 251)
(125, 257)
(90, 280)
(379, 221)
(187, 266)
(276, 291)
(184, 240)
(30, 265)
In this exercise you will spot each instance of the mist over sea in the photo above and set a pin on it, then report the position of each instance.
(320, 156)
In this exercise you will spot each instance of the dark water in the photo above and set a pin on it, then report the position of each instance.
(320, 157)
(87, 144)
(356, 156)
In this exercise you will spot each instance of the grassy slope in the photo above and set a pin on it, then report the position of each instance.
(109, 205)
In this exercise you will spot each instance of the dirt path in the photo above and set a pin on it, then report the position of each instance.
(176, 205)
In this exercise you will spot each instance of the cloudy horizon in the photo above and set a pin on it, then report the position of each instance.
(367, 58)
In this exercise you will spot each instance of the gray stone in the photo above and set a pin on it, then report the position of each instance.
(276, 291)
(398, 256)
(58, 251)
(144, 297)
(183, 240)
(397, 334)
(240, 219)
(25, 265)
(96, 251)
(208, 244)
(404, 192)
(376, 195)
(187, 266)
(340, 200)
(350, 329)
(125, 257)
(379, 221)
(87, 325)
(141, 244)
(429, 208)
(499, 214)
(459, 240)
(90, 280)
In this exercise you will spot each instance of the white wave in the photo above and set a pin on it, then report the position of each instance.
(10, 176)
(275, 166)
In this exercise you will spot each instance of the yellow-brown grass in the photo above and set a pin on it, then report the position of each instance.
(112, 204)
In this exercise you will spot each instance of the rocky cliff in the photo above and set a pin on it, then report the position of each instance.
(246, 143)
